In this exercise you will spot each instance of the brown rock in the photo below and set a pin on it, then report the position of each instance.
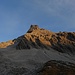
(40, 38)
(57, 68)
(6, 44)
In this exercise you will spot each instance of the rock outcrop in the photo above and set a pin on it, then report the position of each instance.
(35, 38)
(6, 44)
(57, 68)
(64, 42)
(32, 28)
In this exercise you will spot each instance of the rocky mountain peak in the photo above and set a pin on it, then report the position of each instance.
(40, 38)
(33, 27)
(44, 39)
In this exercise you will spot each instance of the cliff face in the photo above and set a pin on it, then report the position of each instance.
(40, 38)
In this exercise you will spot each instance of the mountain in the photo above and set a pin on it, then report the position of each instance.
(40, 38)
(39, 52)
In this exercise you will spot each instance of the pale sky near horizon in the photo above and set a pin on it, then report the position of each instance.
(16, 16)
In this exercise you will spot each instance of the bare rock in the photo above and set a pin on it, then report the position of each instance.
(6, 44)
(43, 39)
(57, 68)
(33, 27)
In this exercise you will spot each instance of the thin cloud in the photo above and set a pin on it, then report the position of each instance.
(57, 6)
(64, 9)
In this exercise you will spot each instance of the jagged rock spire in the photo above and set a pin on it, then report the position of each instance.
(33, 27)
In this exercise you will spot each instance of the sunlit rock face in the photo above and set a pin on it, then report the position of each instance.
(32, 28)
(64, 42)
(6, 44)
(35, 38)
(41, 38)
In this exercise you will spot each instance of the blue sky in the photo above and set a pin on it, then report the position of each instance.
(16, 16)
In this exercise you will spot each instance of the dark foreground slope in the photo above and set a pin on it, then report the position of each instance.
(57, 68)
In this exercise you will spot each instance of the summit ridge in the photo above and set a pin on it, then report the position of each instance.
(40, 38)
